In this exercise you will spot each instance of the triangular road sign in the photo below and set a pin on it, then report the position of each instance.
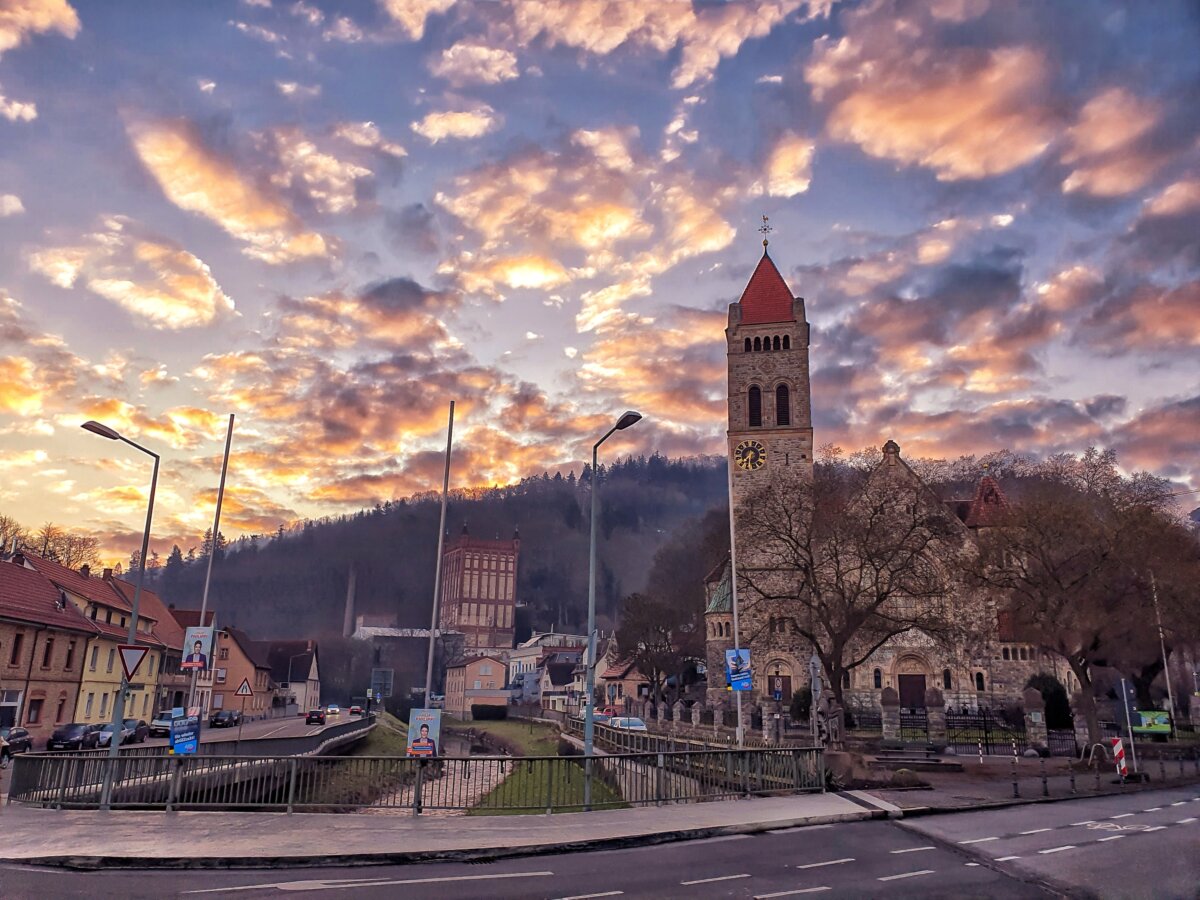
(131, 658)
(243, 689)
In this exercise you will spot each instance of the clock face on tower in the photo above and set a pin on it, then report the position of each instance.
(750, 455)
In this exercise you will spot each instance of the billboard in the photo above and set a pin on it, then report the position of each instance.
(737, 670)
(424, 732)
(197, 648)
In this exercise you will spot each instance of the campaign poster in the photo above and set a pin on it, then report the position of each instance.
(424, 732)
(737, 670)
(197, 649)
(185, 734)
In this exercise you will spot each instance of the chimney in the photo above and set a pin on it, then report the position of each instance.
(108, 575)
(85, 570)
(19, 558)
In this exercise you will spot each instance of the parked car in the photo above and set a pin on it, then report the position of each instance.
(602, 719)
(139, 730)
(333, 710)
(74, 736)
(356, 710)
(628, 723)
(19, 740)
(315, 717)
(104, 738)
(225, 718)
(610, 711)
(160, 725)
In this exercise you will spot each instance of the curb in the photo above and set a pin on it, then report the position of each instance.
(479, 854)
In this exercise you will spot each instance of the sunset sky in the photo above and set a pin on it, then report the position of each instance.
(333, 218)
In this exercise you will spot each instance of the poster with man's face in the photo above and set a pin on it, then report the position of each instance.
(197, 649)
(424, 732)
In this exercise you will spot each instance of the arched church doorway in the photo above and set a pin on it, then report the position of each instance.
(912, 678)
(779, 680)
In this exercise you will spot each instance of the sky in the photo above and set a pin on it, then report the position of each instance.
(331, 219)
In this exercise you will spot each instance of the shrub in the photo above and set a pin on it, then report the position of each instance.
(906, 778)
(801, 701)
(484, 713)
(566, 748)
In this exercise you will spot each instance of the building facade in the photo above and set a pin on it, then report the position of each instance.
(478, 592)
(475, 681)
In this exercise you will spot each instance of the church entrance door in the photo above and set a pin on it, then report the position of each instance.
(780, 688)
(912, 691)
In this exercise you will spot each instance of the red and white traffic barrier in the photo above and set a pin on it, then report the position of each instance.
(1118, 748)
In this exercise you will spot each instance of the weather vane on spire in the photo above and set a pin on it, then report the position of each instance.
(765, 229)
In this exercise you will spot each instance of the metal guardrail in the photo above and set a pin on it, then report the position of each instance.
(397, 784)
(623, 739)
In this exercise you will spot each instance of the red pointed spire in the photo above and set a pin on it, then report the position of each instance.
(767, 298)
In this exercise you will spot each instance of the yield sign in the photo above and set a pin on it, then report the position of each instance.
(243, 689)
(131, 657)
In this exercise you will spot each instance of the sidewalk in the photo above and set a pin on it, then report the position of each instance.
(92, 839)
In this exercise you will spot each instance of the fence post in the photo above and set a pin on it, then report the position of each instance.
(796, 769)
(1045, 784)
(587, 784)
(745, 773)
(176, 777)
(417, 787)
(658, 782)
(292, 784)
(549, 785)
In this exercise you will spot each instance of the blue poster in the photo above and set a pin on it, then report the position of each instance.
(185, 734)
(737, 670)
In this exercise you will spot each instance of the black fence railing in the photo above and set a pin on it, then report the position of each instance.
(985, 732)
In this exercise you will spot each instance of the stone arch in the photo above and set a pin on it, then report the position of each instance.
(749, 345)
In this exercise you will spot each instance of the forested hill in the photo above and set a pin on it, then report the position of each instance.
(294, 584)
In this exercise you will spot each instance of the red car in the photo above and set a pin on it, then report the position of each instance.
(315, 717)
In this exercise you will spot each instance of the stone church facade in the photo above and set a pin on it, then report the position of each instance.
(770, 438)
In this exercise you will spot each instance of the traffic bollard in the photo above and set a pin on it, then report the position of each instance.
(981, 751)
(1045, 784)
(1016, 790)
(1162, 768)
(1097, 778)
(1071, 769)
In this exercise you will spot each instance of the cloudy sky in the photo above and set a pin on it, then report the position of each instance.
(333, 218)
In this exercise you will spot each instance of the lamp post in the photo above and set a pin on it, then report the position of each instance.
(119, 705)
(629, 417)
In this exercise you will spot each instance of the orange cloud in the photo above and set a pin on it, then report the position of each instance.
(21, 18)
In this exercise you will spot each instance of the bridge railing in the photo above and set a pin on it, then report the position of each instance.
(349, 784)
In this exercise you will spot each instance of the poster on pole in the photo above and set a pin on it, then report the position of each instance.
(185, 734)
(424, 732)
(737, 670)
(197, 648)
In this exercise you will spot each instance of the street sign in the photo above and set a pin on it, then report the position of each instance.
(243, 689)
(131, 657)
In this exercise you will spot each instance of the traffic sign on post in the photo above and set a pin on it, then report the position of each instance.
(243, 689)
(131, 657)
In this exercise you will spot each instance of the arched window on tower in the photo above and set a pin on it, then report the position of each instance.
(755, 399)
(979, 681)
(878, 679)
(758, 343)
(775, 345)
(946, 680)
(749, 346)
(783, 407)
(787, 342)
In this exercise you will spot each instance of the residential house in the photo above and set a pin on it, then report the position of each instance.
(190, 618)
(110, 613)
(556, 685)
(531, 654)
(174, 683)
(296, 674)
(238, 659)
(475, 681)
(621, 680)
(43, 639)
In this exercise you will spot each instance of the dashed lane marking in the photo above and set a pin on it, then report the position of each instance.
(1186, 821)
(1037, 831)
(715, 878)
(980, 840)
(809, 890)
(591, 896)
(1111, 837)
(828, 862)
(1179, 803)
(905, 875)
(1086, 822)
(1152, 809)
(1057, 849)
(1123, 816)
(913, 849)
(972, 865)
(342, 883)
(1006, 858)
(1155, 828)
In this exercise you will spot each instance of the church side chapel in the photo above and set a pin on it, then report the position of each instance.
(856, 559)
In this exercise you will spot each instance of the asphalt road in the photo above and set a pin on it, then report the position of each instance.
(987, 854)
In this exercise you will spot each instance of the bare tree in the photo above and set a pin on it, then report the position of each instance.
(11, 530)
(849, 561)
(660, 638)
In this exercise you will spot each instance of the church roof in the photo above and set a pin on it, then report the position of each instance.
(767, 298)
(989, 505)
(721, 599)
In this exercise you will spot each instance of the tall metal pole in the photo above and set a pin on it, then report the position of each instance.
(212, 552)
(734, 599)
(1162, 645)
(1129, 725)
(437, 572)
(114, 745)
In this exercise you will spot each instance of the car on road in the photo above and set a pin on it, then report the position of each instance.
(139, 730)
(356, 710)
(19, 740)
(333, 710)
(225, 718)
(160, 725)
(628, 723)
(315, 717)
(74, 736)
(602, 719)
(104, 738)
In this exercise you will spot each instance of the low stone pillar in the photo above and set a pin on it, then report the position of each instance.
(935, 712)
(697, 710)
(770, 724)
(718, 719)
(889, 702)
(1035, 717)
(1194, 709)
(677, 712)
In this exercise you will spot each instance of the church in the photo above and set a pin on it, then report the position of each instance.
(770, 445)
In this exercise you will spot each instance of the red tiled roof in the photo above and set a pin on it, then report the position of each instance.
(169, 631)
(989, 506)
(28, 596)
(90, 587)
(767, 298)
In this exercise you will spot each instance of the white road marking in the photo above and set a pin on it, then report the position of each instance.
(1155, 828)
(1152, 809)
(1186, 821)
(336, 884)
(972, 865)
(1036, 831)
(1179, 803)
(1057, 849)
(828, 862)
(1006, 858)
(811, 890)
(913, 849)
(1111, 837)
(906, 875)
(717, 878)
(980, 840)
(590, 896)
(1088, 822)
(1123, 816)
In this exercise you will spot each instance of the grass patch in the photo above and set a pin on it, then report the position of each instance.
(526, 788)
(519, 738)
(389, 737)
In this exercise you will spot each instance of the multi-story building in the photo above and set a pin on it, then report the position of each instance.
(478, 592)
(295, 672)
(239, 658)
(531, 654)
(174, 683)
(43, 639)
(475, 681)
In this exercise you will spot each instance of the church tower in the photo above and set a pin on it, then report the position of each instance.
(770, 401)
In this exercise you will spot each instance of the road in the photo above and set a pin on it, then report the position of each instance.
(1144, 847)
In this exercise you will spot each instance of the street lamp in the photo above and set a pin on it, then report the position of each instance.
(629, 417)
(114, 745)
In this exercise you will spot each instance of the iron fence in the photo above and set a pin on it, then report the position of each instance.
(1061, 742)
(381, 784)
(914, 724)
(970, 732)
